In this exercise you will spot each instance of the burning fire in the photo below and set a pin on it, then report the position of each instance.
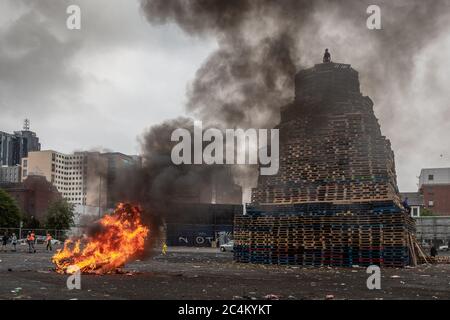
(122, 237)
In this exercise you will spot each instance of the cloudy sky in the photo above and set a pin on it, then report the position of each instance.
(102, 86)
(98, 87)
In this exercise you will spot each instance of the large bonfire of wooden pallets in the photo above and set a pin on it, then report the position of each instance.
(335, 199)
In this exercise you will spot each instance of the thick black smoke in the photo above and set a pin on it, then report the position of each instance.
(159, 183)
(263, 43)
(251, 74)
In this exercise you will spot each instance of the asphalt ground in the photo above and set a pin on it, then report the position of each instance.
(190, 273)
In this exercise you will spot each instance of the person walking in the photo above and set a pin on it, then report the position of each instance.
(30, 239)
(33, 240)
(5, 239)
(48, 240)
(14, 242)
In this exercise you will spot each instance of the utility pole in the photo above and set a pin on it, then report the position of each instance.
(20, 229)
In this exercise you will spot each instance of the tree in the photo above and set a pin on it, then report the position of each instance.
(59, 215)
(31, 222)
(426, 212)
(9, 211)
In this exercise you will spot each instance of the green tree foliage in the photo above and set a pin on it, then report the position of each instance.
(426, 212)
(31, 222)
(9, 211)
(59, 215)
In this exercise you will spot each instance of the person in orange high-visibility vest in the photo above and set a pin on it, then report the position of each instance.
(48, 240)
(32, 241)
(29, 241)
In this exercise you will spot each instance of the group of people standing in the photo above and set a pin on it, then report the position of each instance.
(31, 241)
(5, 240)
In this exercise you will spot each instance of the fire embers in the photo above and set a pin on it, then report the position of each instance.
(119, 238)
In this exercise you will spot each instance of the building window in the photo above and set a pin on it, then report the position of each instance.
(25, 163)
(431, 203)
(415, 212)
(25, 172)
(430, 177)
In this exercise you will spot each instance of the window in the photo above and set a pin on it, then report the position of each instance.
(25, 172)
(430, 177)
(431, 203)
(25, 163)
(415, 212)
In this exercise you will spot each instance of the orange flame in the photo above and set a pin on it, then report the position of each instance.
(121, 238)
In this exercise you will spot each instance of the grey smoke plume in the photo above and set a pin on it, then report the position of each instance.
(159, 183)
(263, 43)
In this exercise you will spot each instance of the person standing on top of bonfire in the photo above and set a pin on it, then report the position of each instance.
(326, 56)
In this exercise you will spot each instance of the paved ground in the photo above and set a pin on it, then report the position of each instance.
(186, 273)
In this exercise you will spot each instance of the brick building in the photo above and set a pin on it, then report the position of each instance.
(33, 196)
(434, 184)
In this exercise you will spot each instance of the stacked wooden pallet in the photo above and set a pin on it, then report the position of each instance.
(331, 145)
(439, 259)
(335, 199)
(340, 239)
(336, 157)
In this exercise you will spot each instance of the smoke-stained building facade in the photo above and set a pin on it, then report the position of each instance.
(117, 162)
(220, 189)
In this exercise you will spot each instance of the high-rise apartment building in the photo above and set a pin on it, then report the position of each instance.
(10, 174)
(80, 177)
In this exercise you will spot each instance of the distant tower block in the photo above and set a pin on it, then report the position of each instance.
(26, 125)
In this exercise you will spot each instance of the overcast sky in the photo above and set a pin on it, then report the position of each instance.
(98, 87)
(102, 86)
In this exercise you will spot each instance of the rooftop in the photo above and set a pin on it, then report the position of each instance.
(414, 198)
